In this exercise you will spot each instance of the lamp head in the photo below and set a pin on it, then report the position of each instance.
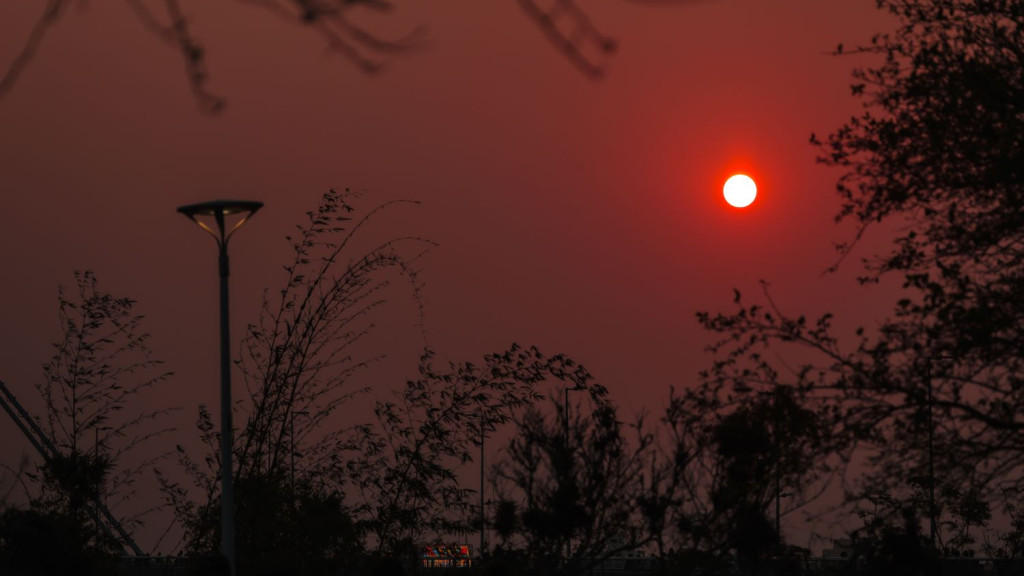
(218, 210)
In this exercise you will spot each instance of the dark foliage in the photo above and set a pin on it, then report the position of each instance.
(283, 529)
(936, 160)
(732, 457)
(38, 543)
(405, 465)
(383, 484)
(100, 366)
(581, 480)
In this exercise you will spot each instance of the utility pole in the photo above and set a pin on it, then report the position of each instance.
(569, 451)
(777, 433)
(483, 543)
(931, 459)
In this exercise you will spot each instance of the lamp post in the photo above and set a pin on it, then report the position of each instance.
(200, 214)
(777, 448)
(568, 534)
(483, 543)
(931, 461)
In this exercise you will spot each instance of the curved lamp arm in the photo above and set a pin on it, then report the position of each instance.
(218, 209)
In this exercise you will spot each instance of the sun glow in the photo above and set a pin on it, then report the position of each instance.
(740, 191)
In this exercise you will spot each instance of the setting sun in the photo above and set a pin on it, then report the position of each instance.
(740, 190)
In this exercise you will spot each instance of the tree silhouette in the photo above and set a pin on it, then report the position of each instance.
(100, 365)
(935, 158)
(299, 357)
(582, 480)
(733, 454)
(405, 464)
(38, 543)
(940, 151)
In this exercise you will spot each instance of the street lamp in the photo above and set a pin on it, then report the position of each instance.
(483, 519)
(200, 214)
(931, 460)
(568, 534)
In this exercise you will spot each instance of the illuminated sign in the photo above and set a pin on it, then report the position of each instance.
(446, 556)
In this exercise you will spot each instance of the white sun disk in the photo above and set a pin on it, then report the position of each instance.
(740, 191)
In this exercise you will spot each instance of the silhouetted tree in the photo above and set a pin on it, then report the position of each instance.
(34, 542)
(406, 463)
(940, 150)
(1012, 545)
(100, 365)
(582, 481)
(300, 356)
(890, 541)
(936, 158)
(730, 454)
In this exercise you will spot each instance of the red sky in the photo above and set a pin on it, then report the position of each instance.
(584, 217)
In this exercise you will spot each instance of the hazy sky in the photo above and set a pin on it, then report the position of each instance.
(584, 217)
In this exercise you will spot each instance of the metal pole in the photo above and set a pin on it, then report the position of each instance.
(931, 459)
(778, 495)
(218, 209)
(227, 502)
(482, 519)
(568, 448)
(292, 437)
(778, 482)
(778, 465)
(96, 462)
